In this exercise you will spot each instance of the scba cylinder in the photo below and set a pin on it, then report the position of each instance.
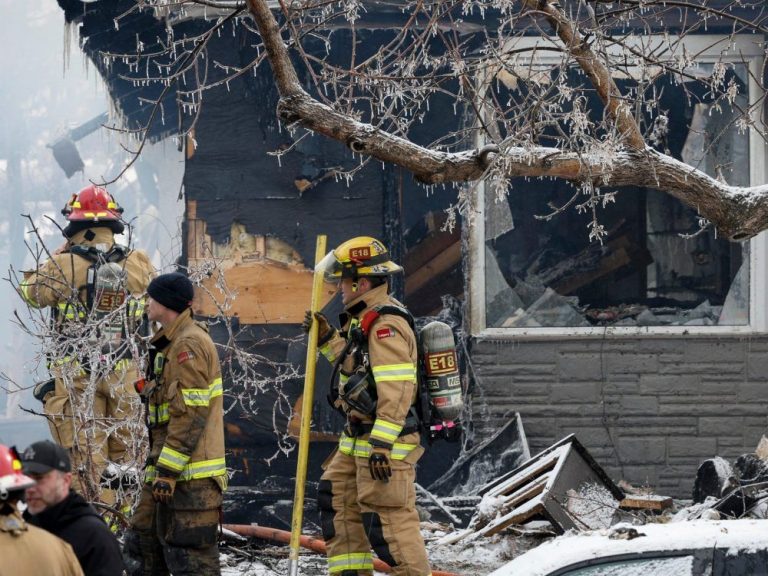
(109, 296)
(441, 370)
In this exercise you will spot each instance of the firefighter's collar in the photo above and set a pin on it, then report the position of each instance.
(373, 297)
(97, 235)
(370, 298)
(166, 334)
(13, 523)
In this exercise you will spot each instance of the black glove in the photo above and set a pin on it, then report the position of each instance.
(43, 389)
(324, 328)
(378, 464)
(162, 489)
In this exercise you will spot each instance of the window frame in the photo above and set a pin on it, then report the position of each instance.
(737, 48)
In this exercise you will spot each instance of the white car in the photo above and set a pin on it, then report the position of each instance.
(694, 548)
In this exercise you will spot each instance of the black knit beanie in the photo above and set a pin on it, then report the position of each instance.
(173, 290)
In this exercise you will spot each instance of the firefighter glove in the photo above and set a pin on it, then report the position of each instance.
(162, 489)
(378, 464)
(324, 329)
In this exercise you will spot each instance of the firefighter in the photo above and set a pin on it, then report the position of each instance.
(95, 289)
(27, 550)
(175, 526)
(366, 494)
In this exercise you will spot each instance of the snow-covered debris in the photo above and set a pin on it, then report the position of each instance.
(593, 505)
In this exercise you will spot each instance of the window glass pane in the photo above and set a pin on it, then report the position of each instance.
(738, 562)
(679, 566)
(655, 267)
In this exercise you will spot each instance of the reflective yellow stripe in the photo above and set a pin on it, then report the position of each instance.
(354, 561)
(136, 308)
(66, 310)
(328, 352)
(120, 366)
(204, 469)
(172, 460)
(159, 413)
(25, 289)
(386, 431)
(394, 372)
(362, 448)
(202, 396)
(193, 470)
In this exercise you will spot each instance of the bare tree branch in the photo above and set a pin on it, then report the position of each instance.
(738, 213)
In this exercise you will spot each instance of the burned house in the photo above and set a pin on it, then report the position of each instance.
(649, 346)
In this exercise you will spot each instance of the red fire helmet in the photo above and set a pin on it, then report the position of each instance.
(11, 478)
(92, 204)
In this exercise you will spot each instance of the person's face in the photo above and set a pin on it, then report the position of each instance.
(349, 292)
(51, 488)
(154, 310)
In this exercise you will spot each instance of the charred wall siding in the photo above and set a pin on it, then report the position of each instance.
(648, 410)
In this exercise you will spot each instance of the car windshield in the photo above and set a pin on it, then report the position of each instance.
(676, 566)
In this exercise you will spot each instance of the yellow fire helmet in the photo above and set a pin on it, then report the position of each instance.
(358, 257)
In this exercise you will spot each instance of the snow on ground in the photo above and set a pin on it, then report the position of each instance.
(472, 558)
(265, 562)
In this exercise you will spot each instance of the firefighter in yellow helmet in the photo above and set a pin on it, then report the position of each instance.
(366, 494)
(95, 290)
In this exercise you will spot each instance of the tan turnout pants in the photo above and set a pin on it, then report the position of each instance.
(107, 425)
(358, 513)
(179, 538)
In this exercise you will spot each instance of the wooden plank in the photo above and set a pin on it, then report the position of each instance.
(525, 493)
(266, 293)
(439, 265)
(266, 281)
(429, 247)
(529, 504)
(646, 502)
(525, 476)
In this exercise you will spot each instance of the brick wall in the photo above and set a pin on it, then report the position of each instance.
(648, 410)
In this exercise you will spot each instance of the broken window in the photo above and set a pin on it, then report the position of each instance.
(655, 267)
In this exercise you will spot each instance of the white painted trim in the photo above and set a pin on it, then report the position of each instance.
(758, 156)
(738, 48)
(477, 264)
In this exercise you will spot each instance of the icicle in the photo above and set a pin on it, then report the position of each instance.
(66, 55)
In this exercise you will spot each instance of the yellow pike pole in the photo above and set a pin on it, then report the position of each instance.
(306, 415)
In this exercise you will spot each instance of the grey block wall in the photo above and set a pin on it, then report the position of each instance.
(649, 410)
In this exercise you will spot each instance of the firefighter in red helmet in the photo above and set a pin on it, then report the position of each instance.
(91, 205)
(366, 495)
(27, 550)
(95, 290)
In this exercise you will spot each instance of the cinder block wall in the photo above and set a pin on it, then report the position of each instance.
(649, 410)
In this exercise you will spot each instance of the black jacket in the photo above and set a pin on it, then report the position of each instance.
(76, 522)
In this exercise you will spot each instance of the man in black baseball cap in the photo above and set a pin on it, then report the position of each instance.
(44, 456)
(55, 507)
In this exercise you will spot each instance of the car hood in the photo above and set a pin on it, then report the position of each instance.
(584, 546)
